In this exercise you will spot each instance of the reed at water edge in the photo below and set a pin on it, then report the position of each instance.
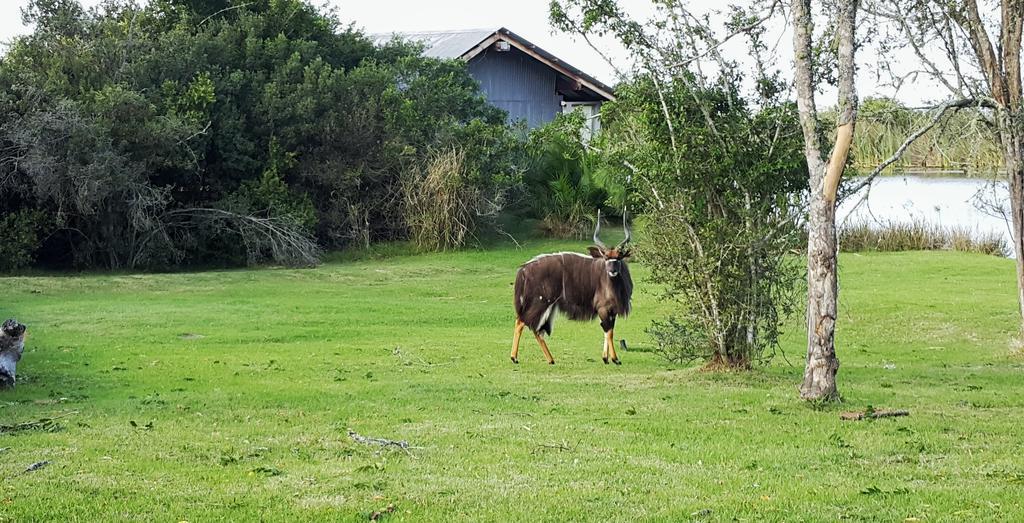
(961, 145)
(918, 235)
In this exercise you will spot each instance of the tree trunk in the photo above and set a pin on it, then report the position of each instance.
(1011, 137)
(1011, 125)
(822, 297)
(1001, 67)
(822, 280)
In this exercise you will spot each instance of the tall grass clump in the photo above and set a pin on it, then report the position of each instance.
(440, 202)
(918, 235)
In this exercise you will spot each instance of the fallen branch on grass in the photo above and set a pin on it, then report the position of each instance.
(43, 424)
(35, 466)
(873, 414)
(563, 446)
(404, 445)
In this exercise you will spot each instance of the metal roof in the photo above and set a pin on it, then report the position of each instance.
(440, 44)
(466, 44)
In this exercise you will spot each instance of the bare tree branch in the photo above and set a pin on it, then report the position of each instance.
(970, 20)
(741, 30)
(226, 9)
(954, 105)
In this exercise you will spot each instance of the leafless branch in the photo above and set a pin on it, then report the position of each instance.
(285, 242)
(741, 30)
(226, 9)
(955, 105)
(383, 442)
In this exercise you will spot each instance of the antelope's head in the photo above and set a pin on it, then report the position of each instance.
(615, 257)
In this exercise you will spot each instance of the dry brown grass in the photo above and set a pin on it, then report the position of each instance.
(440, 203)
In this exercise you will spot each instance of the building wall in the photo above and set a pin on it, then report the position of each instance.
(519, 84)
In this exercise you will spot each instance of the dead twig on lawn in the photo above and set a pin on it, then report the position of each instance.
(31, 468)
(43, 424)
(873, 414)
(383, 442)
(35, 466)
(561, 447)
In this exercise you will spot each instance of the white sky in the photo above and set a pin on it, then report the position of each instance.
(529, 19)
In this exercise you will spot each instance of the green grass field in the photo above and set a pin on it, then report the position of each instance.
(228, 395)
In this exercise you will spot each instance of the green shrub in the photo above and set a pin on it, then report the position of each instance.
(566, 180)
(20, 234)
(269, 196)
(720, 204)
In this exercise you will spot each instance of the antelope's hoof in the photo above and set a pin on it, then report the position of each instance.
(552, 362)
(616, 361)
(605, 360)
(515, 360)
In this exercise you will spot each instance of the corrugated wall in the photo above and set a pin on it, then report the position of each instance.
(519, 84)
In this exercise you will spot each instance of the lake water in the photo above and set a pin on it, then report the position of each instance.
(950, 202)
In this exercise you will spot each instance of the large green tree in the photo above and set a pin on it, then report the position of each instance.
(154, 134)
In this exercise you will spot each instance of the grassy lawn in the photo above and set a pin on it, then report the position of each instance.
(228, 396)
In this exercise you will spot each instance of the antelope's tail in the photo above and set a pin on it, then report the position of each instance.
(519, 296)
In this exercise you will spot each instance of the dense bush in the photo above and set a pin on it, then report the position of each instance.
(163, 134)
(566, 179)
(722, 211)
(19, 236)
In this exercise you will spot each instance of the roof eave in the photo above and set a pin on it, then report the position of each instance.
(542, 56)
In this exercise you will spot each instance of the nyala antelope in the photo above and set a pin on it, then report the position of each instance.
(578, 285)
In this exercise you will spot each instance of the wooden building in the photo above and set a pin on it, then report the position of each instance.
(528, 82)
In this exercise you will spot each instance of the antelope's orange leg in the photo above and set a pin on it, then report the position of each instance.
(515, 340)
(544, 347)
(609, 341)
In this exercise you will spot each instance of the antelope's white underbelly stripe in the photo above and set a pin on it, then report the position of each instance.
(546, 316)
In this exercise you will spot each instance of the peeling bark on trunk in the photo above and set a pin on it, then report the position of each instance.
(822, 301)
(822, 280)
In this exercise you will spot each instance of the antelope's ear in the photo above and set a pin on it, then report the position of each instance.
(625, 254)
(596, 252)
